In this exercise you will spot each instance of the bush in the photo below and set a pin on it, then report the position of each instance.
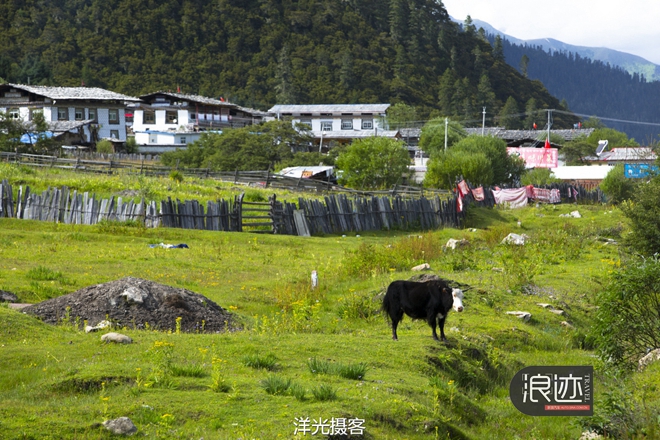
(104, 146)
(643, 212)
(617, 187)
(628, 318)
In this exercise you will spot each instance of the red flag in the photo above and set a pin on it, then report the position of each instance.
(547, 143)
(534, 125)
(178, 89)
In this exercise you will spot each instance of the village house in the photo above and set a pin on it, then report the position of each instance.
(166, 121)
(330, 124)
(75, 115)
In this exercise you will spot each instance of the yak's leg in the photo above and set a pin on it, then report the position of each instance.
(395, 323)
(441, 324)
(431, 322)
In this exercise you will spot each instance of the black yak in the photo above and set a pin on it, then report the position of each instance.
(430, 300)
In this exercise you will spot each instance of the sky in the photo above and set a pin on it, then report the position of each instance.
(631, 26)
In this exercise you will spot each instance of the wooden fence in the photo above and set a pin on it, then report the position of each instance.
(260, 179)
(336, 213)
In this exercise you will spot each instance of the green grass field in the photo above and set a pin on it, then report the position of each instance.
(319, 354)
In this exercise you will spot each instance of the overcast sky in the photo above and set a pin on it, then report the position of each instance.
(631, 26)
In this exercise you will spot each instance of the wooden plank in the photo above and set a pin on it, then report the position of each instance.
(300, 220)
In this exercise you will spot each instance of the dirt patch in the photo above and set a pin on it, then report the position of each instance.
(137, 303)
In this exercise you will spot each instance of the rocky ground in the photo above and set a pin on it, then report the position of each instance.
(137, 303)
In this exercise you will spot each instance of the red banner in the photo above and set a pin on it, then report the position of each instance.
(536, 157)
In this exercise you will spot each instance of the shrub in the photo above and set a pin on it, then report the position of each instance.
(643, 212)
(352, 371)
(319, 367)
(628, 317)
(275, 385)
(324, 392)
(268, 362)
(104, 146)
(617, 187)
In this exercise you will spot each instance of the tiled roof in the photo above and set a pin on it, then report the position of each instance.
(329, 108)
(353, 134)
(630, 153)
(74, 93)
(206, 101)
(512, 135)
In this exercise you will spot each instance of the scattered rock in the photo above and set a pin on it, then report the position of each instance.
(472, 229)
(545, 306)
(7, 297)
(452, 243)
(121, 426)
(557, 312)
(100, 326)
(517, 239)
(421, 267)
(590, 435)
(117, 338)
(525, 316)
(649, 358)
(137, 303)
(567, 324)
(498, 269)
(574, 214)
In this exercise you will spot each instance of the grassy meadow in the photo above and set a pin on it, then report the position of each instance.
(319, 353)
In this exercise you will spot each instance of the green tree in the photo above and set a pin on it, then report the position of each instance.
(614, 137)
(466, 158)
(575, 151)
(256, 147)
(593, 122)
(510, 115)
(524, 64)
(443, 169)
(643, 213)
(104, 146)
(36, 132)
(401, 115)
(538, 177)
(531, 115)
(616, 186)
(432, 138)
(628, 317)
(373, 163)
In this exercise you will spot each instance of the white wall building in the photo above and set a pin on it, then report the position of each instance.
(168, 121)
(341, 123)
(82, 114)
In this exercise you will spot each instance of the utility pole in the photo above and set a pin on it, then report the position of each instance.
(446, 126)
(483, 122)
(549, 123)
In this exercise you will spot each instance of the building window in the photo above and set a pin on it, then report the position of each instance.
(114, 134)
(170, 117)
(14, 113)
(80, 114)
(35, 111)
(307, 122)
(183, 139)
(92, 114)
(326, 125)
(62, 114)
(367, 124)
(347, 124)
(113, 116)
(149, 117)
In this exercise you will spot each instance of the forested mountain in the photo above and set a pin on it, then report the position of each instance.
(593, 88)
(261, 52)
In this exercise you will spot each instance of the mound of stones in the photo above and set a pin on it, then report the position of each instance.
(136, 303)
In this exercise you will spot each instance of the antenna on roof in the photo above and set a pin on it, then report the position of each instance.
(601, 147)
